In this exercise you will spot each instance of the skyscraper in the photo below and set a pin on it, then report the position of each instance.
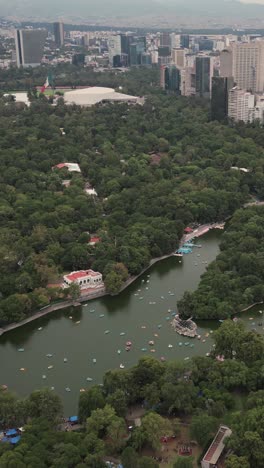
(248, 65)
(204, 73)
(240, 105)
(165, 39)
(170, 79)
(226, 63)
(114, 49)
(219, 103)
(29, 46)
(58, 28)
(185, 41)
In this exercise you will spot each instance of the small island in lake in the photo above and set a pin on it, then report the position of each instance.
(184, 327)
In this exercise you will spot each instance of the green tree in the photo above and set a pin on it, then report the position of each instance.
(154, 427)
(89, 401)
(233, 461)
(203, 428)
(183, 462)
(45, 403)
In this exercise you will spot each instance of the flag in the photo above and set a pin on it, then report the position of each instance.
(45, 86)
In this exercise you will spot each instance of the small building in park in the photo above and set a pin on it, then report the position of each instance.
(213, 454)
(84, 278)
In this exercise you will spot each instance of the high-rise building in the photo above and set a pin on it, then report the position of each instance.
(136, 49)
(58, 29)
(241, 105)
(178, 57)
(219, 103)
(170, 79)
(248, 65)
(188, 81)
(114, 48)
(185, 41)
(29, 46)
(164, 55)
(203, 73)
(226, 63)
(165, 39)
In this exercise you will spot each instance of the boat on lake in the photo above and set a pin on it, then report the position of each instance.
(184, 327)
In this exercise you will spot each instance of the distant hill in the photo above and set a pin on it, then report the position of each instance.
(128, 8)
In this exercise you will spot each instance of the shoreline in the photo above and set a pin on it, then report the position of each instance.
(199, 232)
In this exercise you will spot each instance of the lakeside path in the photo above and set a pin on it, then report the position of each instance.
(200, 231)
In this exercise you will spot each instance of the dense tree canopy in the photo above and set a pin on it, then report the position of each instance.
(156, 168)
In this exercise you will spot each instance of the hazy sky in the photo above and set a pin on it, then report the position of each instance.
(253, 1)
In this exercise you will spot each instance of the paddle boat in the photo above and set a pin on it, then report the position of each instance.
(144, 350)
(94, 361)
(65, 360)
(101, 316)
(122, 333)
(129, 343)
(162, 359)
(128, 348)
(21, 350)
(22, 369)
(49, 355)
(119, 351)
(122, 366)
(106, 332)
(89, 379)
(40, 328)
(44, 376)
(151, 343)
(77, 323)
(170, 346)
(50, 367)
(67, 389)
(82, 390)
(152, 350)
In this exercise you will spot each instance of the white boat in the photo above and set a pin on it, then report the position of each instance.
(119, 351)
(122, 334)
(89, 379)
(106, 332)
(170, 346)
(44, 376)
(67, 389)
(65, 360)
(50, 367)
(49, 355)
(94, 361)
(122, 366)
(21, 350)
(40, 328)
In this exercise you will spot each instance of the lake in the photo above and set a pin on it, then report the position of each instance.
(141, 311)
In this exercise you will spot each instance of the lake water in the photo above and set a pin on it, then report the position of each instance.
(149, 303)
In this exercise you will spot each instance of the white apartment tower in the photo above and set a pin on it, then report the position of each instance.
(240, 105)
(248, 65)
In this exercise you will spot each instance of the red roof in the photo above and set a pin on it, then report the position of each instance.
(94, 240)
(188, 229)
(60, 166)
(75, 275)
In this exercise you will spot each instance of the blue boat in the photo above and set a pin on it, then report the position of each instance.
(184, 250)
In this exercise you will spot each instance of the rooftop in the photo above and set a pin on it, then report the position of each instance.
(93, 95)
(75, 275)
(217, 446)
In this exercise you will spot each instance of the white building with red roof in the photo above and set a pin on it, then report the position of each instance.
(84, 278)
(210, 460)
(72, 167)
